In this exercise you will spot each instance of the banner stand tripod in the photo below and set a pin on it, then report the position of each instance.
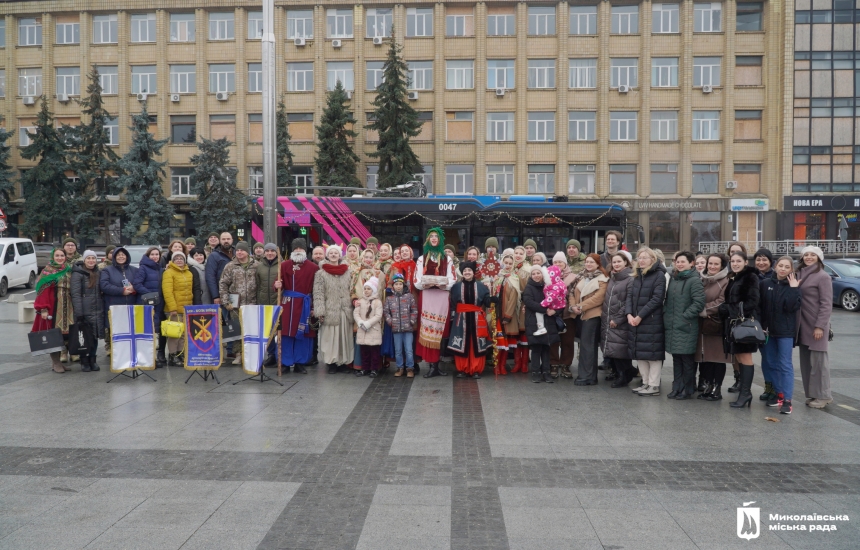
(263, 377)
(207, 374)
(135, 374)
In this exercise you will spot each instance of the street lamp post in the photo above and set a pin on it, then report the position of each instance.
(270, 192)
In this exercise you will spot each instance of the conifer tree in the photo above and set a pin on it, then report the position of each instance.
(335, 165)
(396, 121)
(283, 155)
(220, 205)
(141, 181)
(45, 186)
(7, 186)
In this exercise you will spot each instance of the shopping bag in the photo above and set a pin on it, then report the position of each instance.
(46, 341)
(81, 339)
(231, 329)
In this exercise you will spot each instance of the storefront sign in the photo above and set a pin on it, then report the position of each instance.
(826, 203)
(750, 205)
(679, 205)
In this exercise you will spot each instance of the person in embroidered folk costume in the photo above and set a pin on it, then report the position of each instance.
(53, 304)
(333, 308)
(504, 287)
(384, 267)
(353, 258)
(434, 277)
(470, 339)
(522, 268)
(296, 283)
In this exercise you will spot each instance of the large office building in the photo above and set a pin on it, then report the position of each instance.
(674, 110)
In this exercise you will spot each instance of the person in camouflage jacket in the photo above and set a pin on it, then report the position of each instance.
(240, 277)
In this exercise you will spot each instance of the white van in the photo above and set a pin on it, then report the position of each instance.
(17, 264)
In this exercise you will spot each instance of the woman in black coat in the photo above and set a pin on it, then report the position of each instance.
(88, 305)
(539, 345)
(742, 301)
(644, 310)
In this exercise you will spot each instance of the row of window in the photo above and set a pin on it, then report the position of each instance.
(459, 75)
(459, 21)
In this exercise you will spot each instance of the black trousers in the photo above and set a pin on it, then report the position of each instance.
(713, 372)
(540, 358)
(588, 347)
(685, 372)
(623, 367)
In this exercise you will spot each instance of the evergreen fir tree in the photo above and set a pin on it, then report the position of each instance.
(7, 186)
(45, 186)
(141, 181)
(396, 121)
(283, 155)
(220, 205)
(335, 165)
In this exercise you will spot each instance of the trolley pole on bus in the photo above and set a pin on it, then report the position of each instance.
(270, 184)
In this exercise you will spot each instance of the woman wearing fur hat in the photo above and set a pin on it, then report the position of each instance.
(470, 336)
(434, 277)
(333, 307)
(586, 303)
(816, 305)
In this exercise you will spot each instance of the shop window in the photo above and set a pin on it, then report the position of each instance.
(255, 128)
(222, 126)
(183, 129)
(622, 179)
(704, 227)
(748, 70)
(853, 225)
(810, 226)
(748, 177)
(664, 179)
(459, 126)
(301, 126)
(747, 125)
(747, 228)
(664, 232)
(706, 178)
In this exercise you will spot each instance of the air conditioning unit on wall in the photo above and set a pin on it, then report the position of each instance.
(413, 96)
(174, 98)
(336, 43)
(377, 40)
(623, 88)
(299, 42)
(731, 185)
(141, 97)
(707, 88)
(222, 96)
(500, 92)
(28, 100)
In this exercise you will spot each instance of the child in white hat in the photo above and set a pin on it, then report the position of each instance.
(368, 317)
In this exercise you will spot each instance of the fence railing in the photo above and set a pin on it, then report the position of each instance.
(789, 248)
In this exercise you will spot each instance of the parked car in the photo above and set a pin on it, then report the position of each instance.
(18, 264)
(846, 283)
(43, 254)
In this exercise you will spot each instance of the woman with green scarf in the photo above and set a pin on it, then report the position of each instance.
(434, 277)
(53, 303)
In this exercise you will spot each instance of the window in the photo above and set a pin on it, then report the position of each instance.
(541, 126)
(664, 125)
(2, 33)
(583, 20)
(665, 231)
(25, 128)
(108, 79)
(419, 21)
(460, 75)
(255, 128)
(807, 225)
(748, 70)
(707, 17)
(222, 78)
(301, 126)
(426, 177)
(625, 20)
(69, 80)
(255, 179)
(459, 126)
(747, 125)
(580, 179)
(420, 75)
(255, 25)
(664, 72)
(748, 177)
(302, 178)
(143, 27)
(500, 127)
(300, 77)
(255, 77)
(112, 129)
(379, 21)
(706, 178)
(143, 79)
(29, 31)
(541, 20)
(183, 129)
(340, 71)
(581, 125)
(180, 181)
(622, 179)
(29, 82)
(183, 79)
(67, 32)
(339, 23)
(104, 29)
(374, 74)
(706, 71)
(704, 227)
(706, 125)
(542, 178)
(426, 118)
(500, 73)
(664, 18)
(222, 126)
(2, 82)
(222, 26)
(749, 16)
(372, 176)
(459, 21)
(500, 23)
(300, 24)
(624, 72)
(664, 179)
(500, 179)
(182, 27)
(622, 126)
(460, 179)
(583, 73)
(541, 73)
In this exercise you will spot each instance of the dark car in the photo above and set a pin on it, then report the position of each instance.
(846, 283)
(43, 253)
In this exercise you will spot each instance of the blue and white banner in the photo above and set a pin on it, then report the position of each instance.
(203, 337)
(258, 328)
(132, 338)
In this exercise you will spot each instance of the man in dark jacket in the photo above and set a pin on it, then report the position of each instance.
(216, 263)
(612, 240)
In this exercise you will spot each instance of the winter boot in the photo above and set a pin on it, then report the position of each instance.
(745, 394)
(94, 367)
(434, 371)
(768, 390)
(85, 363)
(56, 366)
(332, 368)
(736, 387)
(553, 371)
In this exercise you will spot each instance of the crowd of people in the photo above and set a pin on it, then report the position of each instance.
(513, 311)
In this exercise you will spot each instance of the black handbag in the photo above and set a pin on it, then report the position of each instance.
(81, 339)
(46, 341)
(231, 329)
(151, 298)
(748, 331)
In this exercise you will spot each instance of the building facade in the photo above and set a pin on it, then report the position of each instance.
(674, 110)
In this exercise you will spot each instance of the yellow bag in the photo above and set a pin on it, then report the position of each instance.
(172, 329)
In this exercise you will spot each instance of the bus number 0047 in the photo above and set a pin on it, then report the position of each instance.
(447, 206)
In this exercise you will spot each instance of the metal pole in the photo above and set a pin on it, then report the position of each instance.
(270, 192)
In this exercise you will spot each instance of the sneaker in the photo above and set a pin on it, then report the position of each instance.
(650, 391)
(372, 374)
(809, 400)
(237, 360)
(640, 388)
(539, 332)
(819, 403)
(399, 372)
(774, 400)
(785, 407)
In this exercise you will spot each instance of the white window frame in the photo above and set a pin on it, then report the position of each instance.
(712, 169)
(109, 81)
(183, 79)
(459, 183)
(500, 126)
(372, 176)
(541, 183)
(656, 168)
(339, 23)
(222, 79)
(458, 21)
(302, 181)
(627, 75)
(379, 21)
(707, 17)
(622, 127)
(664, 18)
(300, 24)
(255, 179)
(183, 27)
(664, 128)
(222, 25)
(2, 82)
(143, 27)
(541, 126)
(541, 21)
(29, 31)
(504, 22)
(180, 183)
(459, 76)
(420, 77)
(706, 72)
(68, 33)
(583, 20)
(706, 125)
(373, 75)
(625, 20)
(664, 72)
(30, 81)
(105, 24)
(580, 128)
(340, 70)
(573, 175)
(419, 22)
(500, 179)
(112, 129)
(68, 84)
(634, 172)
(506, 70)
(144, 82)
(255, 78)
(300, 77)
(255, 26)
(541, 73)
(582, 73)
(23, 137)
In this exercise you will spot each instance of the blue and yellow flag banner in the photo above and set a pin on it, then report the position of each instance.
(132, 338)
(203, 337)
(258, 329)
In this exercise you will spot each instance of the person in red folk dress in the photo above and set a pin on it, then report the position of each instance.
(296, 285)
(53, 304)
(470, 336)
(434, 278)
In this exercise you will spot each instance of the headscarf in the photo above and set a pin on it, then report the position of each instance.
(439, 249)
(53, 272)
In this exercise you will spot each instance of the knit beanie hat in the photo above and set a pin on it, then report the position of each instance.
(271, 246)
(191, 241)
(492, 241)
(530, 242)
(259, 245)
(176, 255)
(355, 240)
(108, 249)
(299, 243)
(70, 240)
(814, 249)
(243, 246)
(766, 253)
(559, 257)
(451, 248)
(213, 234)
(540, 255)
(88, 253)
(372, 240)
(397, 278)
(373, 283)
(574, 242)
